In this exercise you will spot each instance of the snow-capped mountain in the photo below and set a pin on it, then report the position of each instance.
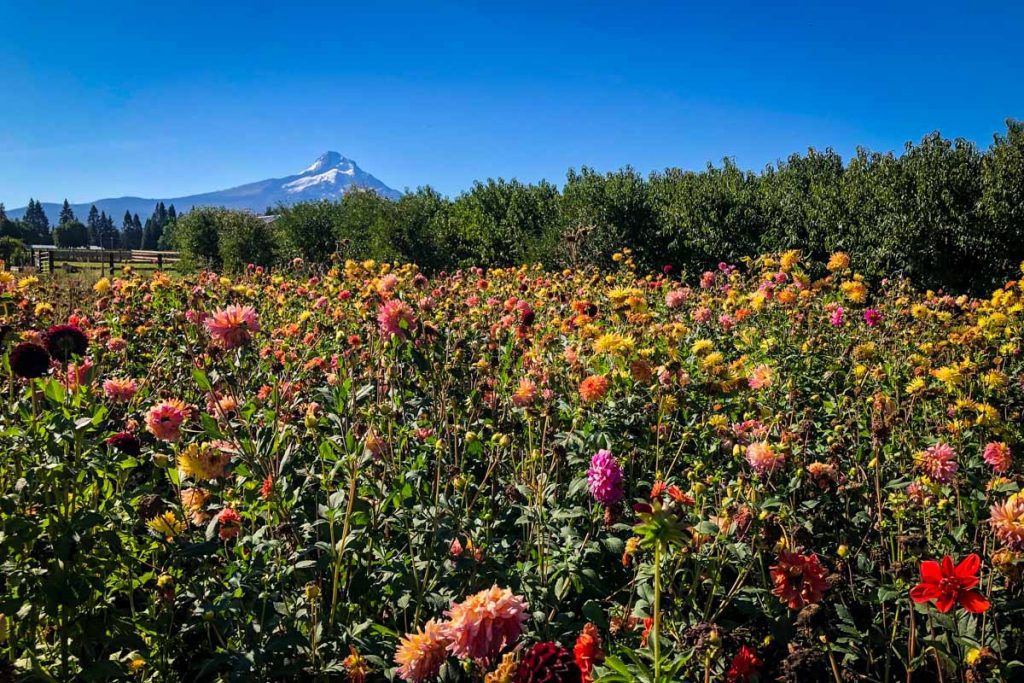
(329, 177)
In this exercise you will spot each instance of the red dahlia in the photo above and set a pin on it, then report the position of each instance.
(799, 579)
(66, 341)
(29, 360)
(547, 663)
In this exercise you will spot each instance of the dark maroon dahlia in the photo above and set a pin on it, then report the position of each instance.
(66, 341)
(547, 663)
(29, 360)
(125, 442)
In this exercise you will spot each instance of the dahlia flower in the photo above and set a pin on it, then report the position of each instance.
(547, 663)
(193, 500)
(676, 298)
(938, 462)
(203, 461)
(525, 393)
(799, 579)
(997, 455)
(762, 459)
(594, 388)
(744, 666)
(230, 523)
(164, 420)
(65, 342)
(125, 442)
(395, 319)
(587, 651)
(483, 625)
(120, 389)
(1007, 521)
(948, 585)
(29, 360)
(872, 317)
(420, 655)
(605, 478)
(233, 326)
(760, 377)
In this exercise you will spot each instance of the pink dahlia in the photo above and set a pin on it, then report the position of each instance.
(836, 319)
(872, 317)
(421, 654)
(483, 625)
(762, 459)
(395, 319)
(676, 298)
(938, 462)
(120, 389)
(1007, 522)
(997, 456)
(233, 326)
(605, 478)
(164, 420)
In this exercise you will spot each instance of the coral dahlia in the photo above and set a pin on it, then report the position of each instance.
(799, 579)
(484, 624)
(420, 655)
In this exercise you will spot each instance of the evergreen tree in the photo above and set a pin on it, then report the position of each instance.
(3, 212)
(130, 239)
(92, 223)
(66, 214)
(172, 215)
(35, 223)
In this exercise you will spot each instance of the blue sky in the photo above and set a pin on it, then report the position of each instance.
(164, 99)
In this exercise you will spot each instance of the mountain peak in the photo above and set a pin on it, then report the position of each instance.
(326, 161)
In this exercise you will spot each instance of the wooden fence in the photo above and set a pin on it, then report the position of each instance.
(48, 260)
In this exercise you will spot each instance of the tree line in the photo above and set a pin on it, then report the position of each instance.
(943, 213)
(98, 230)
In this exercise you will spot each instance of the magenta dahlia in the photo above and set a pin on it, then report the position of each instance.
(605, 478)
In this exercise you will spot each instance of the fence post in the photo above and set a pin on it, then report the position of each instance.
(160, 261)
(111, 264)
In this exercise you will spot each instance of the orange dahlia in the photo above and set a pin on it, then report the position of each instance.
(421, 654)
(594, 388)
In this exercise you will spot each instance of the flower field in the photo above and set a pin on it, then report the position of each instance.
(771, 471)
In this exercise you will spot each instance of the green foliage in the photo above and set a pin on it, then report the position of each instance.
(71, 235)
(13, 251)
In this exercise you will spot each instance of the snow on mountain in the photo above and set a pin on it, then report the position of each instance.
(329, 177)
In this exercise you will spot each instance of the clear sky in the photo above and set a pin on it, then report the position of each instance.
(162, 99)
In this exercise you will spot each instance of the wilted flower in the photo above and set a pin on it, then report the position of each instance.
(484, 624)
(193, 500)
